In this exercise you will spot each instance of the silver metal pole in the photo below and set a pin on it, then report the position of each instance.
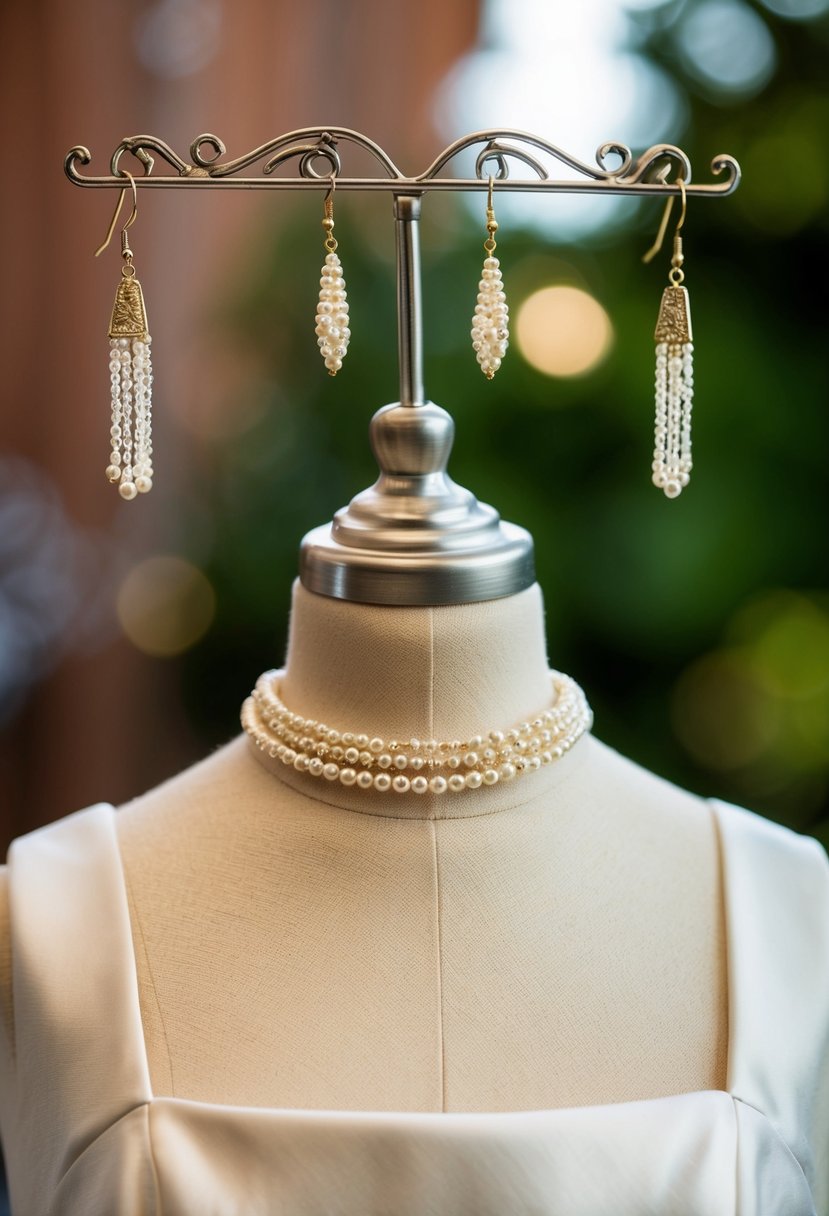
(409, 313)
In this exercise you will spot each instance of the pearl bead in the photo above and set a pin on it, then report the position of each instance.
(457, 782)
(315, 766)
(127, 490)
(331, 772)
(347, 776)
(301, 763)
(352, 755)
(384, 760)
(401, 784)
(382, 782)
(490, 777)
(470, 759)
(438, 785)
(365, 779)
(113, 472)
(506, 772)
(376, 745)
(419, 785)
(143, 484)
(401, 761)
(473, 779)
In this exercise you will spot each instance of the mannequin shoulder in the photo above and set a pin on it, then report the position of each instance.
(227, 788)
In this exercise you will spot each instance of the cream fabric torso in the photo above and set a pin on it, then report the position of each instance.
(273, 957)
(84, 1132)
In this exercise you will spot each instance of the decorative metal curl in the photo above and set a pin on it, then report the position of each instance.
(655, 171)
(494, 149)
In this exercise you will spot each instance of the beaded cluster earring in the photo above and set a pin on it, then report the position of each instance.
(671, 468)
(130, 372)
(332, 310)
(490, 332)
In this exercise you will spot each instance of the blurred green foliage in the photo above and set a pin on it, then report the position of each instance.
(699, 627)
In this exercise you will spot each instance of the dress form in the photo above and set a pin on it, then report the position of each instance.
(554, 941)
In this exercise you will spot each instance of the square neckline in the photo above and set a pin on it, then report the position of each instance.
(716, 809)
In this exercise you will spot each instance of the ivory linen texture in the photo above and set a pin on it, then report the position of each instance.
(84, 1133)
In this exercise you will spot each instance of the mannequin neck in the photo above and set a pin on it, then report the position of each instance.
(401, 672)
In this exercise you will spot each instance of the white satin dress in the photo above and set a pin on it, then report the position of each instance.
(84, 1135)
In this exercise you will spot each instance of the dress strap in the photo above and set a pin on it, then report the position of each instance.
(776, 887)
(80, 1058)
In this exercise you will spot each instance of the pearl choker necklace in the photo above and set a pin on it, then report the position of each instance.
(418, 765)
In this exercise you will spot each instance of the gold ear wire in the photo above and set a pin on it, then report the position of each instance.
(117, 212)
(663, 223)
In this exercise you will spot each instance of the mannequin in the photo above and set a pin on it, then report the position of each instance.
(554, 941)
(577, 990)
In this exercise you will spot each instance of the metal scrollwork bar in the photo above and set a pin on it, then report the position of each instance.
(317, 153)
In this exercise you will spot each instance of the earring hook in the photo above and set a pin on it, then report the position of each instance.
(328, 221)
(663, 223)
(117, 212)
(329, 195)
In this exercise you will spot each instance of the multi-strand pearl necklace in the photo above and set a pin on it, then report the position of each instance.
(414, 765)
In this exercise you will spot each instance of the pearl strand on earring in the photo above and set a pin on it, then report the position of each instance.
(418, 765)
(490, 335)
(332, 315)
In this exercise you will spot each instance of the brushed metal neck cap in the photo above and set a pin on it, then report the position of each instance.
(415, 537)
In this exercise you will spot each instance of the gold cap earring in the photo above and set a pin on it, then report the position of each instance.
(671, 468)
(130, 371)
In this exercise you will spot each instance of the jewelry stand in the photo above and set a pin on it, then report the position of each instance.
(415, 537)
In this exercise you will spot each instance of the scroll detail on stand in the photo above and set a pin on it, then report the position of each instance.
(317, 148)
(396, 542)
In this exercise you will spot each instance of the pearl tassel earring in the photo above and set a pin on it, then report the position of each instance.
(674, 369)
(490, 333)
(332, 311)
(130, 373)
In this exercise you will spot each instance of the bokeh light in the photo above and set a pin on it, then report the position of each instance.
(728, 47)
(563, 331)
(797, 10)
(165, 605)
(759, 705)
(571, 73)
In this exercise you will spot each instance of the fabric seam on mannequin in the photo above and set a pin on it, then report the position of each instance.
(439, 931)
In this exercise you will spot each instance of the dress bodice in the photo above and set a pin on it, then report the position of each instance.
(84, 1133)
